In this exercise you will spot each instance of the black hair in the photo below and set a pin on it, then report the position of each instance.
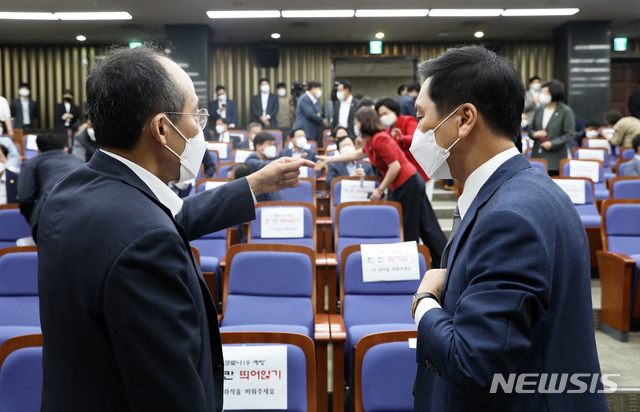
(125, 90)
(262, 137)
(312, 83)
(612, 117)
(594, 123)
(220, 87)
(533, 79)
(280, 85)
(293, 132)
(556, 90)
(23, 84)
(264, 79)
(390, 104)
(51, 141)
(635, 142)
(240, 170)
(413, 87)
(4, 150)
(334, 132)
(365, 101)
(341, 139)
(346, 85)
(401, 89)
(223, 120)
(67, 91)
(478, 76)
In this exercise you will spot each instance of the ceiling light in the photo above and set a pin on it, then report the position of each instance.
(479, 34)
(27, 16)
(465, 12)
(379, 35)
(393, 13)
(275, 35)
(317, 13)
(244, 14)
(81, 38)
(540, 12)
(115, 15)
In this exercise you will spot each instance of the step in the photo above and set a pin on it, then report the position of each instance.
(445, 225)
(441, 195)
(443, 209)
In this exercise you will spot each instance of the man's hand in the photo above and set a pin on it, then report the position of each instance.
(540, 134)
(358, 142)
(277, 175)
(433, 282)
(321, 161)
(325, 122)
(358, 172)
(546, 145)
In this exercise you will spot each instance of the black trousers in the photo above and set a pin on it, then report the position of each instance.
(418, 218)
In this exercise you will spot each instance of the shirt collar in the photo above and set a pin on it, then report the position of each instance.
(313, 99)
(165, 195)
(637, 157)
(479, 177)
(3, 178)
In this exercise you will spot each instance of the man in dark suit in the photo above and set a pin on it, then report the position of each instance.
(240, 170)
(8, 179)
(264, 151)
(516, 292)
(222, 133)
(299, 141)
(345, 145)
(308, 117)
(40, 173)
(252, 130)
(265, 106)
(407, 101)
(127, 319)
(222, 107)
(343, 116)
(24, 110)
(67, 113)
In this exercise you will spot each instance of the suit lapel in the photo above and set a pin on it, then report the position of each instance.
(554, 116)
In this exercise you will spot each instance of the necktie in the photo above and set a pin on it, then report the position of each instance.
(454, 229)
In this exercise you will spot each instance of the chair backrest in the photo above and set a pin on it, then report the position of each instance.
(596, 153)
(540, 164)
(301, 363)
(215, 156)
(210, 183)
(367, 222)
(30, 146)
(13, 225)
(306, 192)
(626, 187)
(574, 168)
(19, 271)
(620, 228)
(527, 153)
(589, 190)
(212, 245)
(627, 153)
(223, 168)
(278, 135)
(242, 134)
(597, 142)
(384, 372)
(223, 149)
(620, 166)
(21, 374)
(240, 155)
(336, 188)
(310, 230)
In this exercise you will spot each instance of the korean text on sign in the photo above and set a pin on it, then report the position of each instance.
(390, 262)
(282, 222)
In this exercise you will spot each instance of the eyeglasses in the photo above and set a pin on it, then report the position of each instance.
(201, 117)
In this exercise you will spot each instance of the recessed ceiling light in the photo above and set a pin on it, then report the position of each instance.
(540, 12)
(317, 13)
(275, 35)
(379, 35)
(465, 12)
(479, 34)
(244, 14)
(393, 13)
(115, 15)
(27, 16)
(81, 38)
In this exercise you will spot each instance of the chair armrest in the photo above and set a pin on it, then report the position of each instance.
(324, 220)
(223, 261)
(338, 331)
(616, 272)
(220, 319)
(615, 258)
(322, 328)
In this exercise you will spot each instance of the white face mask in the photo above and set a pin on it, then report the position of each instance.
(592, 133)
(23, 92)
(340, 96)
(544, 99)
(219, 129)
(91, 133)
(318, 94)
(356, 130)
(301, 142)
(282, 92)
(222, 97)
(191, 157)
(431, 157)
(269, 152)
(389, 119)
(2, 167)
(524, 123)
(347, 149)
(536, 87)
(265, 88)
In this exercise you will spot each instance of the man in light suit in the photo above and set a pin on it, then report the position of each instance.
(632, 167)
(222, 107)
(343, 116)
(516, 293)
(265, 106)
(308, 117)
(25, 110)
(127, 319)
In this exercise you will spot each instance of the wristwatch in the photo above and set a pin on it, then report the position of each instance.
(417, 298)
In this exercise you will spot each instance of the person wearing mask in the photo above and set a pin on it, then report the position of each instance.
(531, 98)
(222, 133)
(591, 131)
(265, 106)
(84, 142)
(240, 170)
(67, 113)
(345, 107)
(407, 101)
(308, 117)
(345, 146)
(8, 179)
(634, 103)
(299, 141)
(5, 117)
(625, 128)
(285, 108)
(407, 187)
(264, 153)
(25, 110)
(632, 167)
(402, 89)
(223, 107)
(13, 158)
(253, 129)
(40, 173)
(552, 127)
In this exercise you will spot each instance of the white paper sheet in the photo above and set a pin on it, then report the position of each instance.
(600, 143)
(390, 262)
(255, 377)
(304, 171)
(241, 155)
(212, 185)
(30, 142)
(574, 188)
(579, 168)
(222, 148)
(413, 343)
(351, 191)
(282, 222)
(588, 154)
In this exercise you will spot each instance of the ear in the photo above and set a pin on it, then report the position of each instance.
(468, 117)
(159, 128)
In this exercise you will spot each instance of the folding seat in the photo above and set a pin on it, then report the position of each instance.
(19, 305)
(618, 264)
(306, 237)
(587, 168)
(306, 192)
(223, 168)
(223, 150)
(626, 187)
(627, 153)
(21, 374)
(595, 154)
(13, 225)
(540, 164)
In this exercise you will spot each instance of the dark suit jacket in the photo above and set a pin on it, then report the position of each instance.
(16, 112)
(38, 175)
(272, 109)
(271, 197)
(352, 111)
(307, 117)
(407, 105)
(340, 169)
(232, 112)
(60, 110)
(242, 145)
(83, 146)
(517, 297)
(560, 130)
(631, 168)
(11, 186)
(634, 104)
(128, 321)
(311, 155)
(255, 163)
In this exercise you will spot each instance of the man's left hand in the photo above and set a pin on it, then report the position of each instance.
(278, 175)
(546, 145)
(433, 282)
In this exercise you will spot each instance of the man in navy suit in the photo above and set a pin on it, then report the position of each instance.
(345, 145)
(264, 151)
(25, 110)
(299, 142)
(222, 107)
(407, 101)
(308, 117)
(127, 319)
(8, 179)
(265, 106)
(514, 302)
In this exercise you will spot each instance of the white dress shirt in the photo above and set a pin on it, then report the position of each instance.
(265, 101)
(5, 110)
(67, 109)
(637, 157)
(26, 116)
(312, 97)
(3, 188)
(472, 186)
(225, 137)
(546, 116)
(345, 107)
(351, 167)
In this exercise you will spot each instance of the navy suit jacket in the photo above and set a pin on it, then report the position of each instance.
(517, 300)
(244, 144)
(352, 112)
(127, 319)
(407, 105)
(11, 186)
(272, 109)
(255, 163)
(60, 110)
(340, 169)
(232, 112)
(18, 118)
(632, 167)
(307, 117)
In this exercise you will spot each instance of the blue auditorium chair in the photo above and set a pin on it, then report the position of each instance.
(13, 225)
(309, 238)
(209, 183)
(278, 135)
(306, 192)
(599, 185)
(336, 189)
(19, 304)
(627, 153)
(626, 187)
(599, 153)
(21, 374)
(223, 168)
(540, 164)
(237, 152)
(219, 152)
